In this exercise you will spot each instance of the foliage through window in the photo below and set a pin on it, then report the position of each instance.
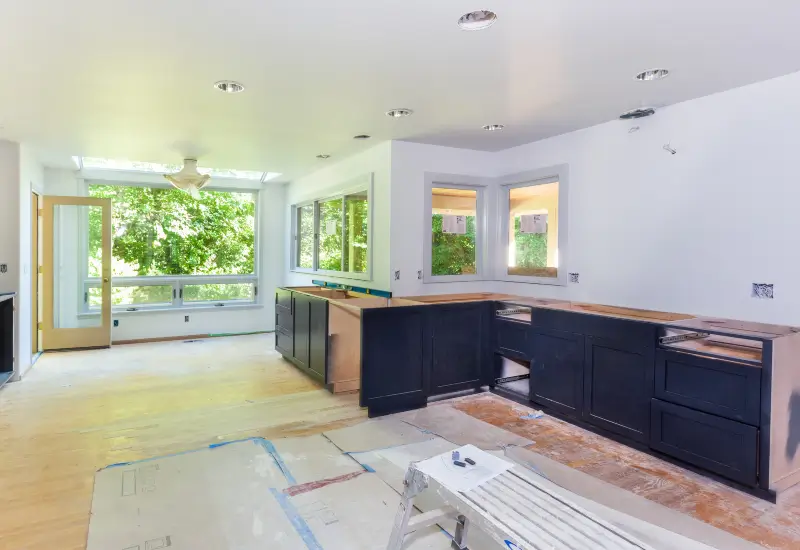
(453, 231)
(533, 230)
(332, 234)
(166, 233)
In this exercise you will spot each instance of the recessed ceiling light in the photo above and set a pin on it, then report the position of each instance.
(652, 74)
(493, 127)
(477, 20)
(361, 136)
(229, 86)
(323, 156)
(399, 113)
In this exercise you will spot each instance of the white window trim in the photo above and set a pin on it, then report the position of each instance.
(457, 181)
(356, 185)
(559, 173)
(178, 282)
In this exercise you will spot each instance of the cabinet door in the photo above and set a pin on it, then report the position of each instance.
(283, 298)
(302, 319)
(618, 386)
(395, 356)
(284, 343)
(459, 347)
(318, 338)
(557, 370)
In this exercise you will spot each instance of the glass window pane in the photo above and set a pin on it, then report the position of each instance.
(533, 230)
(330, 235)
(356, 218)
(222, 292)
(453, 225)
(305, 236)
(149, 295)
(160, 231)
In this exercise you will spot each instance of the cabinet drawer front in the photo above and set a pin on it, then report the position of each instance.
(284, 317)
(283, 298)
(284, 343)
(719, 387)
(638, 333)
(513, 338)
(719, 445)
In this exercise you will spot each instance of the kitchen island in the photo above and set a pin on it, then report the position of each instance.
(717, 395)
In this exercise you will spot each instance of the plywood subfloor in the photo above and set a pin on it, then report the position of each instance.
(770, 525)
(77, 412)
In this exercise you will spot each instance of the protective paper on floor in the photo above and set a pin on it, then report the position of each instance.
(458, 427)
(377, 434)
(247, 495)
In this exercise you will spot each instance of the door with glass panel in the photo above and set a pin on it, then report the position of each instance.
(76, 239)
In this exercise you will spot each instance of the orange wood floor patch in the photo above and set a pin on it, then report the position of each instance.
(770, 525)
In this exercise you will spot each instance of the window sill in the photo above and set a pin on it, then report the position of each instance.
(187, 309)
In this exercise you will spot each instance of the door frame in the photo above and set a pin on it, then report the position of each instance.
(35, 269)
(74, 338)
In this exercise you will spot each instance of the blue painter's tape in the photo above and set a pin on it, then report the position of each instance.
(270, 448)
(212, 446)
(446, 534)
(368, 468)
(297, 520)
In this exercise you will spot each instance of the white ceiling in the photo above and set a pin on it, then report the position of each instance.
(133, 78)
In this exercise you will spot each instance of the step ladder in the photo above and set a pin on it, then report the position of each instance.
(513, 509)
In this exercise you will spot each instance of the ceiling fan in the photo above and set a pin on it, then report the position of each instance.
(189, 179)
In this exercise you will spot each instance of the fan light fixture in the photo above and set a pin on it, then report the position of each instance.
(189, 179)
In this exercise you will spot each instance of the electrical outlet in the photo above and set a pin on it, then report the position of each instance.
(186, 319)
(763, 290)
(574, 277)
(3, 268)
(419, 274)
(116, 322)
(396, 275)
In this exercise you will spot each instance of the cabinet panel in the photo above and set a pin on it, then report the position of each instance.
(302, 318)
(284, 318)
(557, 370)
(724, 388)
(618, 386)
(513, 338)
(283, 298)
(284, 343)
(717, 444)
(318, 338)
(458, 346)
(395, 359)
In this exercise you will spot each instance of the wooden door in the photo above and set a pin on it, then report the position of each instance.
(76, 238)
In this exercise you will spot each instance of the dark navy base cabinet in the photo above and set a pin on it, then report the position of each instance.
(618, 386)
(301, 331)
(557, 371)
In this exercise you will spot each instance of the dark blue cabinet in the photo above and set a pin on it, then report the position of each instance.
(618, 386)
(557, 370)
(301, 331)
(459, 346)
(395, 359)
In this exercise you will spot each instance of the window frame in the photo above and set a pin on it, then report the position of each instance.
(558, 173)
(358, 185)
(177, 282)
(456, 181)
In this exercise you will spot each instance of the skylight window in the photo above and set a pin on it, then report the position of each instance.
(157, 168)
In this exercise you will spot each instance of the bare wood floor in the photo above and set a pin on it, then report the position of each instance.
(77, 412)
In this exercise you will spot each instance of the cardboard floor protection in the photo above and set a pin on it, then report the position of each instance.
(317, 493)
(239, 496)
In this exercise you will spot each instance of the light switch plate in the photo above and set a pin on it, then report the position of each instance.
(763, 291)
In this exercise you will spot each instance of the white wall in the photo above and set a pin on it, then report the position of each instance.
(688, 232)
(31, 178)
(333, 177)
(410, 162)
(159, 324)
(9, 234)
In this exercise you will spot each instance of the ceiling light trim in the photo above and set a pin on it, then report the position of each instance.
(229, 86)
(494, 127)
(652, 74)
(477, 20)
(399, 112)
